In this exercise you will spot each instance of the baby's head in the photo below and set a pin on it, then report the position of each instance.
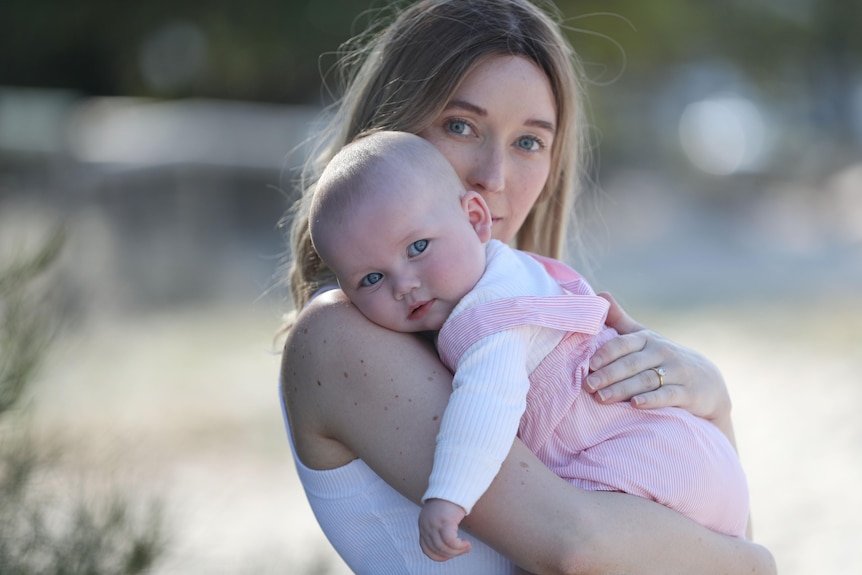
(392, 220)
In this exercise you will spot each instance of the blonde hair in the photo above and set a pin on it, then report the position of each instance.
(402, 79)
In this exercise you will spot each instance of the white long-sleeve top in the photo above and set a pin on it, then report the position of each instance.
(374, 528)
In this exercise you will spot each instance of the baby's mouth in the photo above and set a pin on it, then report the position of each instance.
(419, 309)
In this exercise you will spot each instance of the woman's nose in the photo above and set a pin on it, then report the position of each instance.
(488, 174)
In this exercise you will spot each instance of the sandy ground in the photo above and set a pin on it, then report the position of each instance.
(182, 407)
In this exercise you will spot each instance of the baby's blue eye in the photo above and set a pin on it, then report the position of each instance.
(371, 279)
(417, 247)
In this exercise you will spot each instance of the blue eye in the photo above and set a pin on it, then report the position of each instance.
(371, 279)
(529, 143)
(417, 248)
(460, 127)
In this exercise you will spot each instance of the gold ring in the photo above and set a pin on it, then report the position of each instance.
(660, 372)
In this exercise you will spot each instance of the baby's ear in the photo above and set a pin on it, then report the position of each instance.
(478, 213)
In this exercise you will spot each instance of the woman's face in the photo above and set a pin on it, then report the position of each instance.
(497, 131)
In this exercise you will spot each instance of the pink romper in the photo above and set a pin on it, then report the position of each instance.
(666, 455)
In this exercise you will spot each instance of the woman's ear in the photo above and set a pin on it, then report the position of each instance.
(478, 213)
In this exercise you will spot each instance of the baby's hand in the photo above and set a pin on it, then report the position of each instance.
(438, 530)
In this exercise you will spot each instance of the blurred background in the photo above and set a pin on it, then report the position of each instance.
(164, 136)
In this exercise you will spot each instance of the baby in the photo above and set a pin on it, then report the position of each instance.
(412, 249)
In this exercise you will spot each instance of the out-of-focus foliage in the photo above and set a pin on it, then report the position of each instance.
(25, 323)
(798, 62)
(43, 532)
(262, 50)
(756, 34)
(245, 50)
(808, 49)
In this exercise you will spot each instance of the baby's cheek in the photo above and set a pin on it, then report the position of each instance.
(373, 309)
(449, 269)
(454, 277)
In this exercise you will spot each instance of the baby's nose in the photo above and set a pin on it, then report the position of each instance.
(405, 285)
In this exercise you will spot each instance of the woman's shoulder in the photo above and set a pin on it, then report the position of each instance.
(324, 309)
(331, 317)
(327, 322)
(325, 338)
(330, 330)
(338, 369)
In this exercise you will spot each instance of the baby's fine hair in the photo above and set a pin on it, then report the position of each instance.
(366, 166)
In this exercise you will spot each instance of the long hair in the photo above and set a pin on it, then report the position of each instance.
(403, 77)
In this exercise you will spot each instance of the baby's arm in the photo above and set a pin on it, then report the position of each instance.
(482, 417)
(438, 530)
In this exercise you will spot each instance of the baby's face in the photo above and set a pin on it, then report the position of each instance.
(406, 257)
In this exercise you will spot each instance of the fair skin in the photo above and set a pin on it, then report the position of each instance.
(411, 249)
(500, 147)
(357, 390)
(497, 145)
(413, 246)
(406, 243)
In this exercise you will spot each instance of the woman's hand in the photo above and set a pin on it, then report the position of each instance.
(625, 368)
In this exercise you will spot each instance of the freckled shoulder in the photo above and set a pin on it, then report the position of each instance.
(349, 383)
(310, 361)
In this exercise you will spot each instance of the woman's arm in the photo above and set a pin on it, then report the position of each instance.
(356, 389)
(548, 526)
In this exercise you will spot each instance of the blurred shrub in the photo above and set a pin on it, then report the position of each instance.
(43, 532)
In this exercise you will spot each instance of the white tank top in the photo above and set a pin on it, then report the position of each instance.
(374, 528)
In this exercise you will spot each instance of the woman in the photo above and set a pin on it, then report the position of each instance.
(491, 84)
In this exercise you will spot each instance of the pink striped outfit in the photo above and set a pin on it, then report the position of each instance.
(519, 345)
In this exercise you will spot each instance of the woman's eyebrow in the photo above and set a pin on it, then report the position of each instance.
(542, 125)
(479, 111)
(468, 106)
